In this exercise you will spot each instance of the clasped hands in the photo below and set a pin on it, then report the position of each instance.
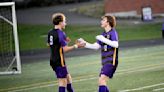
(82, 43)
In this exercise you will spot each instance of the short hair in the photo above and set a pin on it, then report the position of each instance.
(57, 18)
(111, 19)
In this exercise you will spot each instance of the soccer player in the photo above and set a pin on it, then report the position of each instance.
(108, 43)
(57, 41)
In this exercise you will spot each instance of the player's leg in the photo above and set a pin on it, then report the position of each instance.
(102, 83)
(61, 73)
(62, 84)
(107, 72)
(69, 83)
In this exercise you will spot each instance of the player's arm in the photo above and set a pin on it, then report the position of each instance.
(88, 45)
(75, 46)
(69, 48)
(107, 41)
(94, 46)
(48, 40)
(64, 43)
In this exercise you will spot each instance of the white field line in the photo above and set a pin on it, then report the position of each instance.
(20, 90)
(159, 89)
(43, 83)
(144, 55)
(140, 88)
(50, 85)
(78, 80)
(140, 67)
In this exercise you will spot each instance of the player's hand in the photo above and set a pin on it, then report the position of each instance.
(80, 43)
(99, 37)
(81, 40)
(68, 39)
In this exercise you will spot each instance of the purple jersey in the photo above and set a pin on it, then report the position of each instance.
(109, 54)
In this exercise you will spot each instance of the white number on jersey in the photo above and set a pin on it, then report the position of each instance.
(51, 40)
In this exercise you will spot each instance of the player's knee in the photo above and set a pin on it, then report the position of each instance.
(102, 81)
(69, 78)
(63, 82)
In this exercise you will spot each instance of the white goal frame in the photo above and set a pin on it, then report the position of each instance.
(16, 41)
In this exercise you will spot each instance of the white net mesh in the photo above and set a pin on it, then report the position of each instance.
(7, 48)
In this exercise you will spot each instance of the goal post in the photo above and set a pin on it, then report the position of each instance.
(9, 44)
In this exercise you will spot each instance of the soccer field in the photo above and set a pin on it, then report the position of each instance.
(139, 70)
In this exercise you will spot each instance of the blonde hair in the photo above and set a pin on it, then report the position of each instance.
(57, 18)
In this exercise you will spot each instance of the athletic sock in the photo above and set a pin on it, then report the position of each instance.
(102, 88)
(61, 89)
(69, 88)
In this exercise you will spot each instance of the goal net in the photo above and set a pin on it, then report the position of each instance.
(9, 45)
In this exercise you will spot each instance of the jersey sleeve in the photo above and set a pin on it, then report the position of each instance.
(114, 36)
(48, 36)
(99, 42)
(62, 39)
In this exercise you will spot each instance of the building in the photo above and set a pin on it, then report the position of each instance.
(133, 7)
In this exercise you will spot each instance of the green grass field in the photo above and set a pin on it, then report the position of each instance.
(34, 36)
(139, 70)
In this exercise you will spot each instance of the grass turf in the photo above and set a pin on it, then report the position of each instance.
(138, 68)
(34, 36)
